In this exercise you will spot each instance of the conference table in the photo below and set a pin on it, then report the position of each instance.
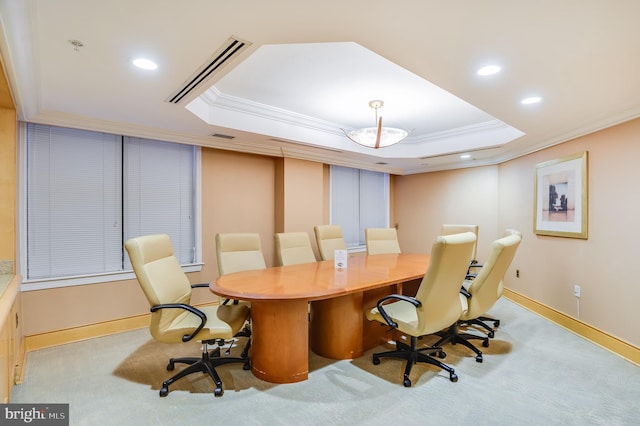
(284, 327)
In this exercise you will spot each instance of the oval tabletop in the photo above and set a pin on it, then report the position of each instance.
(321, 280)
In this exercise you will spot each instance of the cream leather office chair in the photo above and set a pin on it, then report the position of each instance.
(436, 305)
(483, 320)
(236, 252)
(329, 239)
(293, 248)
(381, 240)
(173, 319)
(483, 293)
(448, 229)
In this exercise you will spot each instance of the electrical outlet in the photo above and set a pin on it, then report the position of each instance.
(576, 290)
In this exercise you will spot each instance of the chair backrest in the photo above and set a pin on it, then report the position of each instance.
(448, 229)
(510, 231)
(381, 240)
(293, 248)
(485, 289)
(329, 239)
(161, 278)
(237, 252)
(440, 287)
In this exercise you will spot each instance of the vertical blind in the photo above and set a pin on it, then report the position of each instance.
(359, 200)
(87, 192)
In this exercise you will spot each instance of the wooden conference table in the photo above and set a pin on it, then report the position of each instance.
(338, 329)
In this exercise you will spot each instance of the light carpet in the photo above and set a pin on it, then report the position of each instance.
(534, 373)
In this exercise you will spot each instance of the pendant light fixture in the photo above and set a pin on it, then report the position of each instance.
(378, 136)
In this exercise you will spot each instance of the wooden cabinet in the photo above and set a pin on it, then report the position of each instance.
(10, 338)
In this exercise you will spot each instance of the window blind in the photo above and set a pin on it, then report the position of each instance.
(87, 192)
(74, 202)
(159, 196)
(359, 199)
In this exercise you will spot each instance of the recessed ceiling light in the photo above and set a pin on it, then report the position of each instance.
(489, 70)
(145, 64)
(465, 156)
(531, 100)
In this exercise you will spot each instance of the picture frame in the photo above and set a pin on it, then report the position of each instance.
(561, 197)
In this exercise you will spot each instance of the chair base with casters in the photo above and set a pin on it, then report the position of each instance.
(453, 336)
(480, 321)
(412, 354)
(206, 364)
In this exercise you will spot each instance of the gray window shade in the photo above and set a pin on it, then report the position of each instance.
(87, 192)
(359, 199)
(159, 182)
(74, 202)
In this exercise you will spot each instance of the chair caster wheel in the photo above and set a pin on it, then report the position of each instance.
(164, 391)
(485, 343)
(496, 323)
(406, 382)
(453, 377)
(376, 361)
(218, 392)
(171, 366)
(479, 358)
(246, 365)
(491, 334)
(442, 354)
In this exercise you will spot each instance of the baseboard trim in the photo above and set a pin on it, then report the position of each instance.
(76, 334)
(594, 335)
(61, 337)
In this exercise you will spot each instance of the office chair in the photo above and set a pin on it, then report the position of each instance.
(448, 229)
(236, 252)
(173, 319)
(381, 240)
(482, 294)
(239, 252)
(483, 320)
(436, 305)
(293, 248)
(329, 239)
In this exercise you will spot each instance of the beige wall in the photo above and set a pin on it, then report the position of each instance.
(243, 192)
(238, 195)
(607, 265)
(423, 202)
(499, 197)
(299, 197)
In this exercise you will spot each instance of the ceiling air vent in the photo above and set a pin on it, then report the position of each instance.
(223, 56)
(220, 135)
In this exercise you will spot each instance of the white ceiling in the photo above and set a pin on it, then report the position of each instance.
(309, 70)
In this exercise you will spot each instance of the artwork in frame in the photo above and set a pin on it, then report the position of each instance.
(561, 197)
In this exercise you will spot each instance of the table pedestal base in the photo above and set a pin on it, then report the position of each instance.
(336, 327)
(280, 340)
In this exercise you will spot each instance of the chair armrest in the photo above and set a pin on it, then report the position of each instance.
(199, 285)
(195, 311)
(384, 313)
(465, 292)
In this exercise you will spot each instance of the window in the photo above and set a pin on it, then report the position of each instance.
(359, 200)
(88, 192)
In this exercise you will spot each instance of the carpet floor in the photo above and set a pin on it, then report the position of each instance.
(534, 373)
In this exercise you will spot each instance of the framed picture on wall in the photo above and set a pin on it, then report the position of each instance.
(561, 197)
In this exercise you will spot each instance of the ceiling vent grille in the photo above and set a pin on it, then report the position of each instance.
(223, 56)
(222, 136)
